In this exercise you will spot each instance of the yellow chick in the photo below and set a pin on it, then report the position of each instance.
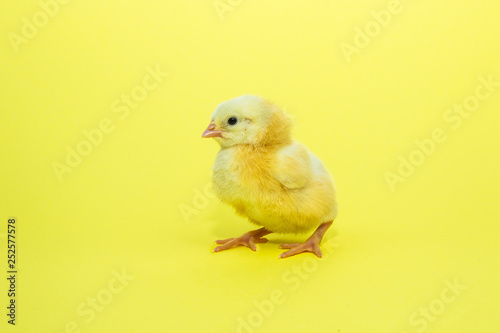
(274, 181)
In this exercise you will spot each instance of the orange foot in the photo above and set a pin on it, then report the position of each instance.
(310, 245)
(249, 240)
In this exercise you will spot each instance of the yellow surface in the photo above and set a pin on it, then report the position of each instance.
(420, 255)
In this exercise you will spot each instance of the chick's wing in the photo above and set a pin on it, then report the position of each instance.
(292, 167)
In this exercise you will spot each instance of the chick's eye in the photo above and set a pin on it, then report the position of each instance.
(232, 121)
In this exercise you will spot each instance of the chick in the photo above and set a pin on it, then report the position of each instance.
(274, 181)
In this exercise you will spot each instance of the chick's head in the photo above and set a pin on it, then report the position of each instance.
(249, 120)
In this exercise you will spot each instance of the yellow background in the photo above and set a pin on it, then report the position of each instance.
(392, 252)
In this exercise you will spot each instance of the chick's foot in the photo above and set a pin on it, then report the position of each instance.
(310, 245)
(249, 240)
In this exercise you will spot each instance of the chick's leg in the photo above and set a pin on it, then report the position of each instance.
(310, 245)
(249, 239)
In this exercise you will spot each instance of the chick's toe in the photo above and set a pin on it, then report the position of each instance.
(248, 239)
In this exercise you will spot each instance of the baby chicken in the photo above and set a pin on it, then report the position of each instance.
(277, 183)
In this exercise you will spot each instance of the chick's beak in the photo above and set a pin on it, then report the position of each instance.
(211, 132)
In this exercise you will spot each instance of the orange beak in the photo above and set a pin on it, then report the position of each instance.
(211, 132)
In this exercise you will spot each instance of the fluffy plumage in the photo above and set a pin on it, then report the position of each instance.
(266, 176)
